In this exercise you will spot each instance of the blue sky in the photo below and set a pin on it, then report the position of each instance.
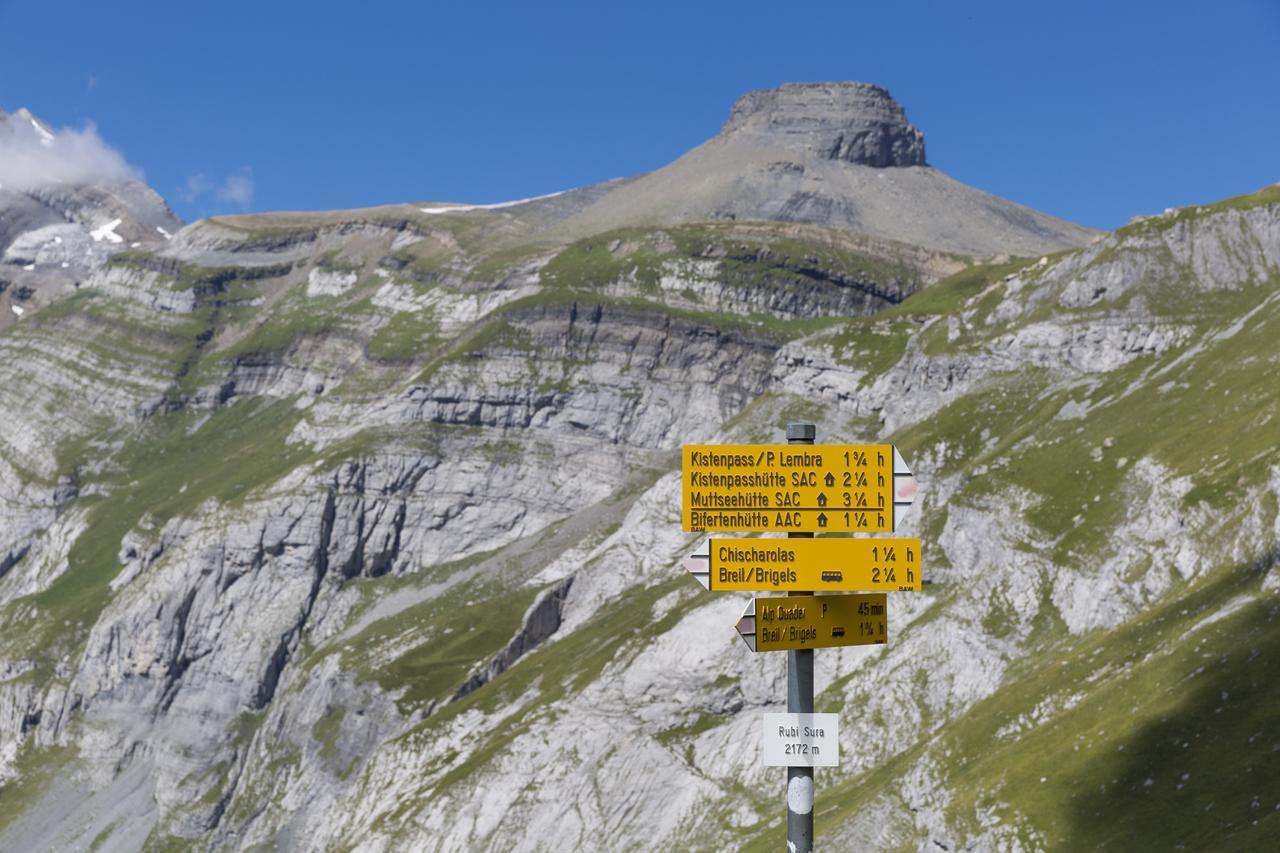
(1090, 111)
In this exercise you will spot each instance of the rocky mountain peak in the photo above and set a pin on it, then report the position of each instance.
(855, 122)
(23, 124)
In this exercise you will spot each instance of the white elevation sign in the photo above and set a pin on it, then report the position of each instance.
(801, 740)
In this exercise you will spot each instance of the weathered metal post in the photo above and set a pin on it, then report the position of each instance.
(800, 701)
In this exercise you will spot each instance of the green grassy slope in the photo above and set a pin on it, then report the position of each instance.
(1157, 734)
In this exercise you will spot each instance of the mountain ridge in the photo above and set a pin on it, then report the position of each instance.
(841, 155)
(838, 155)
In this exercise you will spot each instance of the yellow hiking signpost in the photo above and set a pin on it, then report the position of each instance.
(819, 565)
(814, 622)
(801, 489)
(767, 488)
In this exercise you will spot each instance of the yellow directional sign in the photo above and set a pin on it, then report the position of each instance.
(809, 565)
(842, 488)
(814, 622)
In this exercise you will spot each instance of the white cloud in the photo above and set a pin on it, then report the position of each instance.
(30, 158)
(237, 188)
(196, 186)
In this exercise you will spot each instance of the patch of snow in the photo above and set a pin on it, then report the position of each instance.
(29, 267)
(18, 309)
(163, 233)
(46, 138)
(134, 245)
(454, 208)
(107, 232)
(449, 208)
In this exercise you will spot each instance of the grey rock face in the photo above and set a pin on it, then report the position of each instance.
(541, 621)
(854, 122)
(637, 376)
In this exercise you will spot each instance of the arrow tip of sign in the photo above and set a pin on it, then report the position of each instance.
(746, 625)
(747, 631)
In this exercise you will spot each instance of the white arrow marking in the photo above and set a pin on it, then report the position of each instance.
(747, 625)
(699, 564)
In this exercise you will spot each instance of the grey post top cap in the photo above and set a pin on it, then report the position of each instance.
(801, 432)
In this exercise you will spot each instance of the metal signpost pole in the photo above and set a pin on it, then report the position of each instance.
(800, 701)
